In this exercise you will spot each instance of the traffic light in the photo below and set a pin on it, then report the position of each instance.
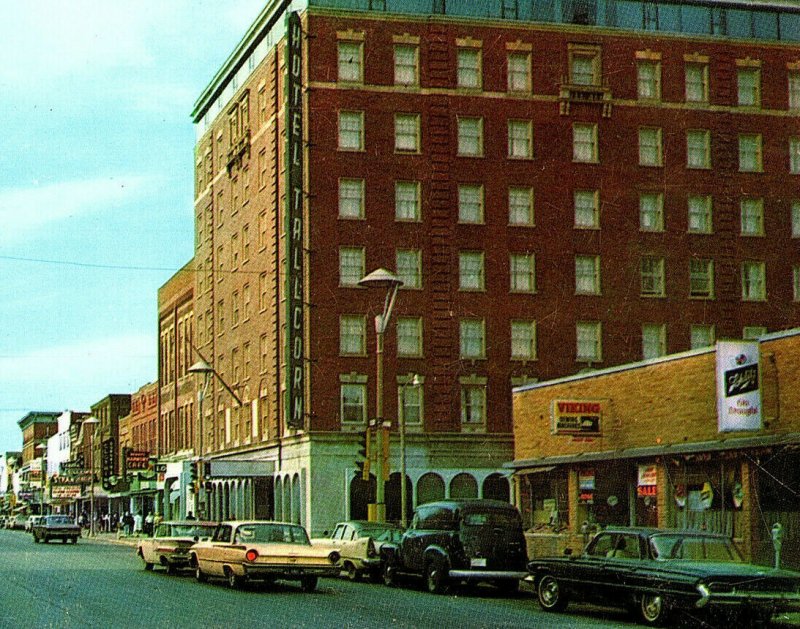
(193, 474)
(364, 454)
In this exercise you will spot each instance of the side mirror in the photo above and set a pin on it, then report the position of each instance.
(568, 552)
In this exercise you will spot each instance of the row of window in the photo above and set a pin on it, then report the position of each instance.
(584, 69)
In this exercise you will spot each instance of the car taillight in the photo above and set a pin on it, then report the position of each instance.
(251, 555)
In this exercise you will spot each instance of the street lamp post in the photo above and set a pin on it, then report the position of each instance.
(414, 381)
(381, 278)
(92, 421)
(42, 448)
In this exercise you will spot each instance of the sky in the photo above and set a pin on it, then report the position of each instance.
(96, 187)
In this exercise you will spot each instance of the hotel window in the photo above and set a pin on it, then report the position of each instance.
(351, 198)
(406, 64)
(519, 72)
(750, 153)
(470, 204)
(470, 270)
(469, 68)
(584, 65)
(587, 210)
(584, 142)
(262, 292)
(523, 272)
(796, 282)
(407, 200)
(246, 243)
(701, 335)
(246, 299)
(353, 400)
(748, 86)
(406, 133)
(520, 139)
(470, 137)
(696, 82)
(589, 341)
(409, 336)
(409, 400)
(234, 252)
(700, 214)
(520, 206)
(701, 278)
(587, 275)
(698, 148)
(753, 281)
(648, 74)
(350, 62)
(794, 156)
(523, 340)
(651, 212)
(473, 404)
(352, 335)
(650, 151)
(654, 340)
(472, 338)
(795, 219)
(652, 276)
(409, 267)
(351, 265)
(351, 130)
(753, 332)
(752, 217)
(794, 90)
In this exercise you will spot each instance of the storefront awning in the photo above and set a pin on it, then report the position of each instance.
(528, 466)
(244, 464)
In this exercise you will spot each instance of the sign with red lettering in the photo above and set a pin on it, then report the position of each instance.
(576, 417)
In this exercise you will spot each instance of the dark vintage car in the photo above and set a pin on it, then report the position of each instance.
(55, 527)
(170, 543)
(659, 574)
(359, 542)
(455, 541)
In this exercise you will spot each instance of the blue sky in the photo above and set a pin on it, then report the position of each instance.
(96, 171)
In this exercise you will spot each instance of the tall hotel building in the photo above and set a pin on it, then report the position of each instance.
(560, 185)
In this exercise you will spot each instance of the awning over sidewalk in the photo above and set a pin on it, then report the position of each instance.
(245, 464)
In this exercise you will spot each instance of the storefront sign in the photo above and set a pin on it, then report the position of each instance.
(65, 492)
(576, 417)
(738, 386)
(586, 484)
(648, 475)
(137, 459)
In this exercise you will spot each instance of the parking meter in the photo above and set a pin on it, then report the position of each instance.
(777, 542)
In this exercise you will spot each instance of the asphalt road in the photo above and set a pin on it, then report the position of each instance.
(97, 584)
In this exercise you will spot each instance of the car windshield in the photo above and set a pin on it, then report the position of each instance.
(693, 548)
(184, 530)
(505, 518)
(271, 534)
(58, 519)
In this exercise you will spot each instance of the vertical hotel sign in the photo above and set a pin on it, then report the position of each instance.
(738, 386)
(295, 237)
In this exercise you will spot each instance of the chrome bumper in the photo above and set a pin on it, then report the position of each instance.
(487, 574)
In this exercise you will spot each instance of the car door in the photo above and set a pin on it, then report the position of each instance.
(623, 564)
(591, 573)
(215, 551)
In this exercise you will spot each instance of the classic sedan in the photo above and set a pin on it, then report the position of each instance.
(60, 527)
(359, 542)
(170, 543)
(657, 573)
(263, 551)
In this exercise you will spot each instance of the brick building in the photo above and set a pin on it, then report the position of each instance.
(558, 185)
(650, 443)
(138, 439)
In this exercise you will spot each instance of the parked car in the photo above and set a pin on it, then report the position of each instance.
(658, 572)
(265, 551)
(454, 541)
(170, 543)
(359, 542)
(19, 521)
(29, 523)
(47, 527)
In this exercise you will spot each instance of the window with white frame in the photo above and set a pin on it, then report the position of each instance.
(584, 65)
(696, 82)
(473, 404)
(519, 72)
(523, 272)
(351, 130)
(353, 402)
(753, 332)
(698, 148)
(409, 402)
(750, 153)
(407, 201)
(748, 86)
(651, 212)
(351, 265)
(701, 278)
(794, 89)
(409, 267)
(752, 216)
(700, 213)
(589, 341)
(648, 75)
(795, 218)
(523, 339)
(352, 335)
(409, 336)
(796, 282)
(469, 68)
(406, 133)
(652, 276)
(587, 275)
(520, 206)
(406, 64)
(470, 137)
(520, 139)
(472, 338)
(794, 156)
(351, 200)
(470, 203)
(701, 335)
(584, 142)
(351, 62)
(650, 151)
(587, 209)
(471, 275)
(753, 281)
(654, 340)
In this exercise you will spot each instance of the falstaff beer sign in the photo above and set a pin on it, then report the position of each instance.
(738, 386)
(576, 417)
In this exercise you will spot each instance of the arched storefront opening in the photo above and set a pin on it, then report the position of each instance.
(362, 493)
(297, 501)
(495, 487)
(430, 487)
(279, 498)
(394, 499)
(463, 486)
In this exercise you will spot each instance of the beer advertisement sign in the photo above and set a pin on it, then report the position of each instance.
(738, 386)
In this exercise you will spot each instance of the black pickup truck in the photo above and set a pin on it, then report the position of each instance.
(454, 541)
(55, 527)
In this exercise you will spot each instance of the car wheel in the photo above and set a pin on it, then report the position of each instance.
(550, 595)
(199, 574)
(234, 580)
(352, 573)
(45, 540)
(74, 540)
(309, 584)
(653, 609)
(436, 577)
(389, 575)
(36, 539)
(169, 568)
(63, 540)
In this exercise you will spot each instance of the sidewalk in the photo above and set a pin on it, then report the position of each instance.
(112, 538)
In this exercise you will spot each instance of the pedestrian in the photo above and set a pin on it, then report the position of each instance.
(148, 523)
(127, 523)
(190, 515)
(137, 523)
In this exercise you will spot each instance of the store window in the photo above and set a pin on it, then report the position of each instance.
(545, 499)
